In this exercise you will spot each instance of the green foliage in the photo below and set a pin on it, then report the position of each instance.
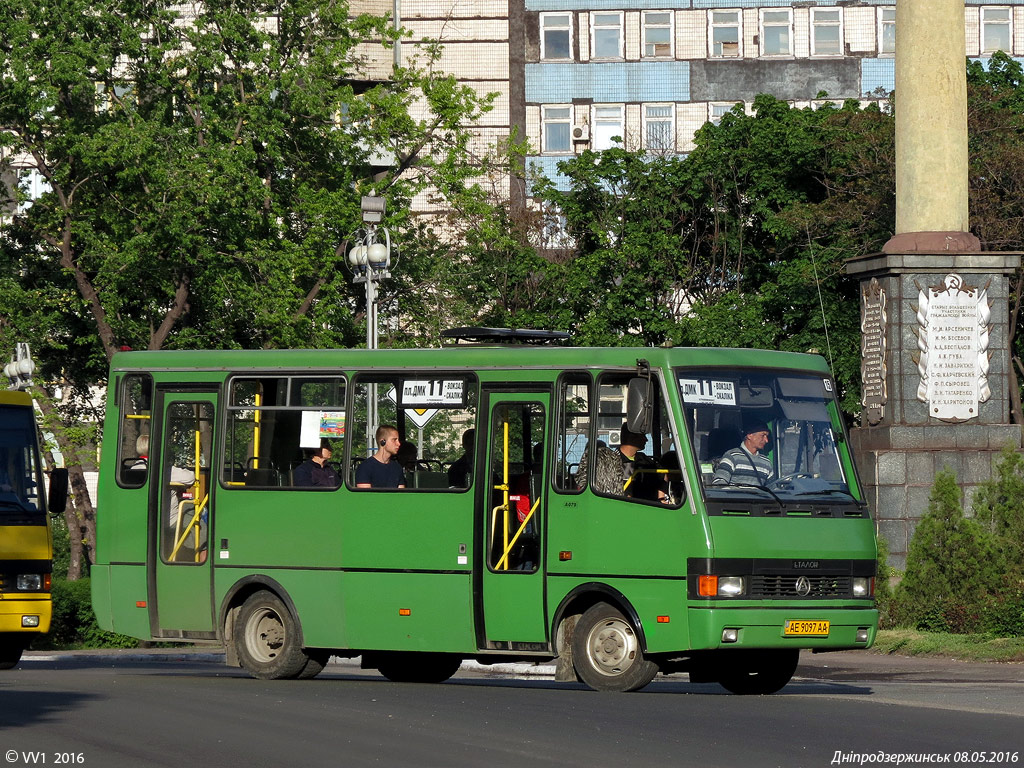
(1003, 615)
(61, 548)
(999, 508)
(205, 176)
(883, 585)
(74, 623)
(952, 566)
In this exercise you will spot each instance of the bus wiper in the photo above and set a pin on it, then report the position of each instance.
(764, 488)
(823, 491)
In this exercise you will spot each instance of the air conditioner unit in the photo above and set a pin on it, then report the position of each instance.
(581, 132)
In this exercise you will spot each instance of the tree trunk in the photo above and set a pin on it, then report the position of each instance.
(79, 515)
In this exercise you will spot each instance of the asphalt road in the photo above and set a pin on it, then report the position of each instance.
(113, 710)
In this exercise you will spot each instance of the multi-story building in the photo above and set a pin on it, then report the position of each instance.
(579, 74)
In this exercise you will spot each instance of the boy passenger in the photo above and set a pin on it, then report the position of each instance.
(382, 470)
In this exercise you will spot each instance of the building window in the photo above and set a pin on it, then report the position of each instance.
(725, 31)
(657, 30)
(607, 131)
(606, 35)
(777, 32)
(659, 128)
(555, 36)
(717, 110)
(826, 32)
(887, 30)
(556, 128)
(995, 30)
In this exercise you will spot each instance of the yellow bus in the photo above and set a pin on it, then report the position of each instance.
(26, 541)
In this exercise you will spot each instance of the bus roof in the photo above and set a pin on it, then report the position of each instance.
(475, 356)
(15, 397)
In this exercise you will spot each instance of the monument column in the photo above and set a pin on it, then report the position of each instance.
(935, 358)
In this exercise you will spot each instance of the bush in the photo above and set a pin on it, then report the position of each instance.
(999, 508)
(74, 623)
(1004, 615)
(883, 587)
(952, 565)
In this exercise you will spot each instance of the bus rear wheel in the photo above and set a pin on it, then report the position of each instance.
(266, 640)
(758, 673)
(606, 651)
(417, 667)
(10, 651)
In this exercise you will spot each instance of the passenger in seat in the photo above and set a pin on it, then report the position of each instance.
(315, 472)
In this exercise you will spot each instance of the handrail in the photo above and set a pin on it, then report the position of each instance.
(647, 472)
(193, 524)
(522, 527)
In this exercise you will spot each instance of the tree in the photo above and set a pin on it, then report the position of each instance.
(202, 175)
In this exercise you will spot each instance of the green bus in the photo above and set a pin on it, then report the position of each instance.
(561, 503)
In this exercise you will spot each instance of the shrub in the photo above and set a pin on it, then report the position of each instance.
(883, 587)
(999, 509)
(952, 565)
(74, 623)
(1004, 615)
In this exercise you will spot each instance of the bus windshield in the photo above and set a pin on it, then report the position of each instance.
(19, 471)
(769, 436)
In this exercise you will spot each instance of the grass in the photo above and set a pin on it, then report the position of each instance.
(912, 642)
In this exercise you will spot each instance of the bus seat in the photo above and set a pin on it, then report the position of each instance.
(717, 443)
(262, 477)
(429, 479)
(234, 472)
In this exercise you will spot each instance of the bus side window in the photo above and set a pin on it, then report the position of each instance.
(573, 424)
(634, 467)
(276, 422)
(435, 415)
(135, 403)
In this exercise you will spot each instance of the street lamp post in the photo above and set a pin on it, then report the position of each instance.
(370, 260)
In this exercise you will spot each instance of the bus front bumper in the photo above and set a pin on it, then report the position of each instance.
(801, 627)
(25, 613)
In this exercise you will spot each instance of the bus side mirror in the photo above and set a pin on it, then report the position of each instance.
(638, 405)
(58, 494)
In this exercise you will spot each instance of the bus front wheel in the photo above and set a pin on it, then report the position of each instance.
(757, 673)
(606, 651)
(266, 639)
(11, 648)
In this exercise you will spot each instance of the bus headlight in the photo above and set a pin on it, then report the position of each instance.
(862, 586)
(730, 586)
(29, 582)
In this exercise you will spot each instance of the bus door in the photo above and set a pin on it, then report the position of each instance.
(180, 522)
(513, 507)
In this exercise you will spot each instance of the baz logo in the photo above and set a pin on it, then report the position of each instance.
(805, 565)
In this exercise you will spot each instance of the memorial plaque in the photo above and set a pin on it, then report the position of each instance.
(953, 342)
(872, 352)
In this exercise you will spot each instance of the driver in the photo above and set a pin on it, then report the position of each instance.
(745, 465)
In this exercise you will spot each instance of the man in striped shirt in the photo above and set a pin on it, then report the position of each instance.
(744, 465)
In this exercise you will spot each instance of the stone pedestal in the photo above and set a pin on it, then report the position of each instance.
(935, 378)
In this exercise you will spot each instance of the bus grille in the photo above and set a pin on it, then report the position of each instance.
(771, 586)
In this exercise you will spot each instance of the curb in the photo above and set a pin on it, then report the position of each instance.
(525, 669)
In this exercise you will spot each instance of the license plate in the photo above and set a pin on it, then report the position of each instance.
(806, 628)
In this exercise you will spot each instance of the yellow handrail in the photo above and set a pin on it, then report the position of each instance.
(646, 472)
(522, 527)
(504, 484)
(193, 524)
